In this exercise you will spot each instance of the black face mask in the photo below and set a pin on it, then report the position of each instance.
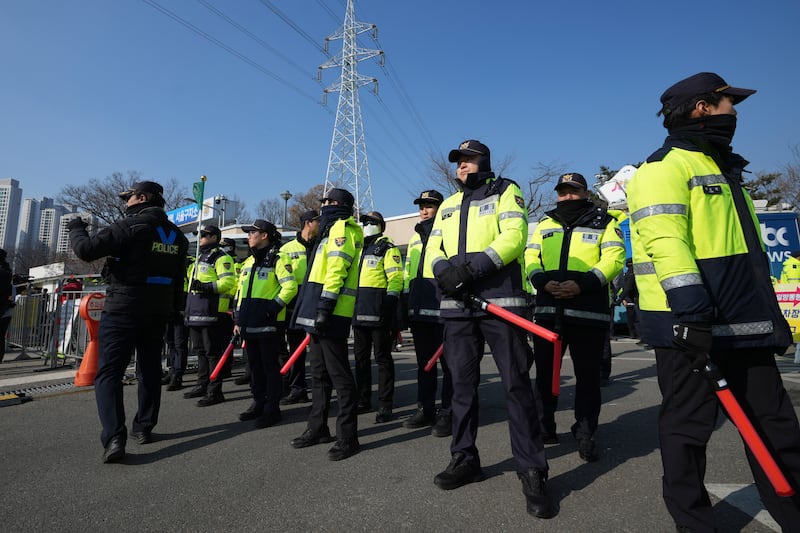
(570, 210)
(717, 130)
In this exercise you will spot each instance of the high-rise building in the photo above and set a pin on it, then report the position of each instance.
(30, 220)
(49, 225)
(10, 199)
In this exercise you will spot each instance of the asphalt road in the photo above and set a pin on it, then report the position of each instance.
(209, 472)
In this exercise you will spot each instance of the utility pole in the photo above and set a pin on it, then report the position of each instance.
(348, 167)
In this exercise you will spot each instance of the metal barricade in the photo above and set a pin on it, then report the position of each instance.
(49, 325)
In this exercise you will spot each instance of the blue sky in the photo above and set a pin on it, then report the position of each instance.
(90, 87)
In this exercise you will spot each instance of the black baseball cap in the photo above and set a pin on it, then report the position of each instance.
(429, 197)
(468, 148)
(260, 224)
(701, 83)
(138, 187)
(340, 196)
(308, 216)
(372, 216)
(211, 229)
(573, 179)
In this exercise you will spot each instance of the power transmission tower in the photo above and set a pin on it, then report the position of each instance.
(348, 167)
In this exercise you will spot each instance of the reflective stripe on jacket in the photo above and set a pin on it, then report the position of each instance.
(380, 274)
(698, 254)
(264, 288)
(333, 276)
(590, 253)
(486, 227)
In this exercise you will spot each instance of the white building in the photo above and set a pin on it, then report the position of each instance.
(10, 199)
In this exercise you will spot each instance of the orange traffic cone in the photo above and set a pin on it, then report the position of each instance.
(90, 308)
(84, 377)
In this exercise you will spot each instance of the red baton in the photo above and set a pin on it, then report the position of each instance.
(747, 431)
(533, 328)
(225, 355)
(432, 360)
(297, 353)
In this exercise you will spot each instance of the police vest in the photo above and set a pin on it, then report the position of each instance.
(143, 251)
(333, 275)
(488, 228)
(590, 252)
(380, 274)
(419, 288)
(297, 256)
(216, 267)
(698, 254)
(264, 287)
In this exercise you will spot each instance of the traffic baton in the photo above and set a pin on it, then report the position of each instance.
(432, 360)
(297, 353)
(747, 431)
(227, 353)
(527, 325)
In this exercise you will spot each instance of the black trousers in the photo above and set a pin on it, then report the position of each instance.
(210, 342)
(366, 339)
(118, 336)
(297, 374)
(177, 346)
(330, 369)
(463, 349)
(586, 348)
(265, 374)
(688, 415)
(428, 336)
(4, 323)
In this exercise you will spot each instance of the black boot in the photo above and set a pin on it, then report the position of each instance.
(539, 503)
(459, 473)
(176, 383)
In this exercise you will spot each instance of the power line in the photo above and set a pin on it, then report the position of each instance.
(228, 49)
(294, 26)
(257, 39)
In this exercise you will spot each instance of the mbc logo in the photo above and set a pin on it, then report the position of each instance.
(774, 236)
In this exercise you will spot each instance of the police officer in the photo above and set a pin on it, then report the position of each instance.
(297, 250)
(178, 339)
(422, 299)
(574, 253)
(144, 270)
(212, 286)
(266, 286)
(380, 283)
(705, 293)
(324, 310)
(228, 245)
(476, 247)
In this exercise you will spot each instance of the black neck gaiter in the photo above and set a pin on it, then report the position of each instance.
(569, 211)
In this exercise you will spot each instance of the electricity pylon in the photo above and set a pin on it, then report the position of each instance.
(348, 167)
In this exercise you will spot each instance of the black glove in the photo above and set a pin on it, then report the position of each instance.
(76, 223)
(389, 308)
(694, 340)
(199, 286)
(454, 281)
(273, 308)
(323, 320)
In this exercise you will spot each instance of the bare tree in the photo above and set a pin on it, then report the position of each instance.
(303, 202)
(271, 210)
(29, 255)
(442, 172)
(788, 181)
(100, 197)
(539, 192)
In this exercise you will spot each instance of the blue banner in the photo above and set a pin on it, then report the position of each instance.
(184, 215)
